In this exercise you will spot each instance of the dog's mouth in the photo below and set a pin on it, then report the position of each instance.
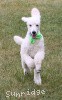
(33, 35)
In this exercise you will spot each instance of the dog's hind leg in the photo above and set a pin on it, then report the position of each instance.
(25, 68)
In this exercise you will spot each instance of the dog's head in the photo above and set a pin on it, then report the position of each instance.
(33, 22)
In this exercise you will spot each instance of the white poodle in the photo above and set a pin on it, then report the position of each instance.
(32, 46)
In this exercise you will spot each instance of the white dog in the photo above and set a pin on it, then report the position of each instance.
(32, 46)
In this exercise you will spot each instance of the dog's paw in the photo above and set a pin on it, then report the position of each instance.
(26, 71)
(37, 81)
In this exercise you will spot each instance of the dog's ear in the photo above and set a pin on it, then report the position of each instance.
(35, 12)
(25, 19)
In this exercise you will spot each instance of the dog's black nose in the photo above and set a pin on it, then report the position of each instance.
(34, 32)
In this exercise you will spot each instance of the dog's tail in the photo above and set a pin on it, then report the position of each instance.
(18, 40)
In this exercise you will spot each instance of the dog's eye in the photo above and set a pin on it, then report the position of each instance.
(30, 25)
(37, 25)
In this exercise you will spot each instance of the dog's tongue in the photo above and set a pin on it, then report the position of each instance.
(34, 36)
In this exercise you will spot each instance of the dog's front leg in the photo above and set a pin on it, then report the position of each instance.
(38, 60)
(37, 77)
(28, 61)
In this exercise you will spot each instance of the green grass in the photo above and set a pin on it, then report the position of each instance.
(11, 73)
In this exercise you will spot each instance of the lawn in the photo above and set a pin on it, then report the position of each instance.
(12, 80)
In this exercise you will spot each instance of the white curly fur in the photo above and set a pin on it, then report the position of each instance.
(32, 54)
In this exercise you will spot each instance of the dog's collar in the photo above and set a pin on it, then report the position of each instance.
(38, 36)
